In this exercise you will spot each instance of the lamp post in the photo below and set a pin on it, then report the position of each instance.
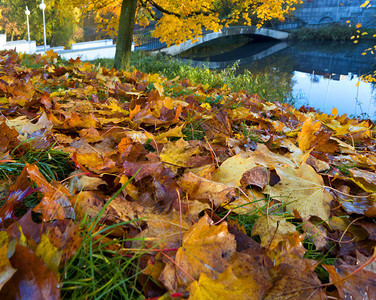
(27, 13)
(42, 6)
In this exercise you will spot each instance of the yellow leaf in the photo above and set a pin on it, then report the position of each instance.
(365, 179)
(272, 230)
(307, 135)
(6, 269)
(334, 112)
(225, 286)
(172, 132)
(302, 190)
(233, 168)
(49, 254)
(206, 249)
(159, 88)
(178, 153)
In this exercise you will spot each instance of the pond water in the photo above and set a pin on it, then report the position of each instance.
(324, 74)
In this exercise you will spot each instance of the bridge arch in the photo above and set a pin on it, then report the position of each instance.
(325, 20)
(236, 30)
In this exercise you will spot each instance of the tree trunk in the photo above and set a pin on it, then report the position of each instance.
(125, 34)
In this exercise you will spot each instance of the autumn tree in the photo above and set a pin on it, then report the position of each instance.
(12, 14)
(179, 21)
(61, 20)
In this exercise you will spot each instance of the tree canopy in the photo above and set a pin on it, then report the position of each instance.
(179, 21)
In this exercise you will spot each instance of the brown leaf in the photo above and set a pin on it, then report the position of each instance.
(86, 203)
(202, 189)
(55, 203)
(293, 276)
(32, 280)
(359, 285)
(145, 169)
(8, 137)
(164, 231)
(257, 176)
(218, 128)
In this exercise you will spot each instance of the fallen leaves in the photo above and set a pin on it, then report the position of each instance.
(206, 176)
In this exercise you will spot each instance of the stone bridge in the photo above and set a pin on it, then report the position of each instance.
(236, 30)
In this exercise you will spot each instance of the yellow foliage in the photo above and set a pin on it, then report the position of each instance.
(187, 20)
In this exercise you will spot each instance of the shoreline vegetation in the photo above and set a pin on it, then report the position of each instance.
(270, 86)
(333, 32)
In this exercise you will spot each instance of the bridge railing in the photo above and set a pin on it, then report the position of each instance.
(146, 41)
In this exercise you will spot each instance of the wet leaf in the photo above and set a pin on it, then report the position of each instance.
(50, 254)
(357, 286)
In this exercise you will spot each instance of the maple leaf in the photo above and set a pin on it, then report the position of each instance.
(232, 169)
(225, 286)
(205, 250)
(177, 154)
(41, 283)
(164, 230)
(55, 203)
(357, 285)
(202, 189)
(307, 135)
(272, 230)
(302, 190)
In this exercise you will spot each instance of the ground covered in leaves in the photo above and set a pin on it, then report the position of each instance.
(127, 185)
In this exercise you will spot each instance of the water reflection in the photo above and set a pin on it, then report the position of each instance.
(347, 93)
(325, 74)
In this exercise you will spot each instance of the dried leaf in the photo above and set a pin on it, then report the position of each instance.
(202, 189)
(302, 190)
(206, 249)
(272, 230)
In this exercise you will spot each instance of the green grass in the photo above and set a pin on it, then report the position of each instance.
(268, 85)
(248, 220)
(53, 164)
(99, 270)
(323, 258)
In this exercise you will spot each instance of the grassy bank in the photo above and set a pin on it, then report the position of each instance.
(332, 32)
(270, 86)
